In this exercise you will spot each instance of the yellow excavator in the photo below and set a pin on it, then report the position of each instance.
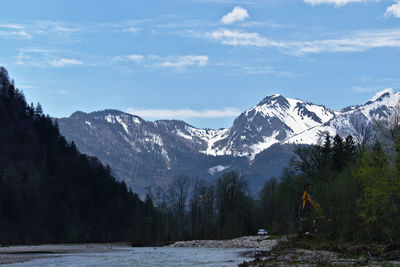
(306, 197)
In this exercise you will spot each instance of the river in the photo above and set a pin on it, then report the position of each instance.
(147, 256)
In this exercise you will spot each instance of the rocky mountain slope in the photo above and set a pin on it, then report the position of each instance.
(259, 143)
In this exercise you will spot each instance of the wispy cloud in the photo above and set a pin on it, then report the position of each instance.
(393, 10)
(334, 2)
(184, 113)
(61, 62)
(183, 61)
(165, 61)
(249, 2)
(354, 42)
(12, 26)
(44, 58)
(132, 30)
(240, 38)
(14, 31)
(134, 57)
(15, 34)
(237, 14)
(41, 30)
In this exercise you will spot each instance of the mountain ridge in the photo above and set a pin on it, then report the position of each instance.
(145, 153)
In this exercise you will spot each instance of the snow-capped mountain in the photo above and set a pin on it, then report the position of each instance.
(144, 153)
(349, 120)
(272, 121)
(140, 152)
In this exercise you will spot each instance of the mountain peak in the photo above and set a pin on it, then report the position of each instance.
(275, 99)
(78, 115)
(381, 94)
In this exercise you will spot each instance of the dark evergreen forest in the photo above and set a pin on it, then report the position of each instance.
(49, 192)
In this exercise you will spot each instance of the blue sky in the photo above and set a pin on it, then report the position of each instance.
(203, 61)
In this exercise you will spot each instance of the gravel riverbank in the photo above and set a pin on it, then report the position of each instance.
(14, 254)
(259, 242)
(19, 254)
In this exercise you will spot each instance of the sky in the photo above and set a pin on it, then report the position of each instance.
(201, 61)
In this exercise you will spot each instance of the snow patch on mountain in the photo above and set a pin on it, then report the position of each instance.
(259, 147)
(211, 140)
(124, 125)
(216, 169)
(153, 139)
(136, 120)
(109, 118)
(181, 134)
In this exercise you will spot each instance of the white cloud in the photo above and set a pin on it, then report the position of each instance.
(42, 58)
(15, 31)
(38, 28)
(333, 2)
(183, 61)
(45, 27)
(61, 62)
(136, 58)
(165, 61)
(236, 38)
(12, 26)
(355, 42)
(133, 57)
(184, 113)
(37, 50)
(393, 10)
(132, 30)
(15, 34)
(229, 1)
(237, 14)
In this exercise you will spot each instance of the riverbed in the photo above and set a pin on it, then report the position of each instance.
(146, 256)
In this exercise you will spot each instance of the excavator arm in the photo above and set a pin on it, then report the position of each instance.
(312, 202)
(306, 197)
(316, 223)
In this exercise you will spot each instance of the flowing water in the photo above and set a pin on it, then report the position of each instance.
(160, 256)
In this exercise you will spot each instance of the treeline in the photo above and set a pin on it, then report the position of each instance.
(195, 209)
(51, 193)
(357, 185)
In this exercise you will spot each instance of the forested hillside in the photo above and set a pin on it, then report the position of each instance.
(49, 192)
(356, 184)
